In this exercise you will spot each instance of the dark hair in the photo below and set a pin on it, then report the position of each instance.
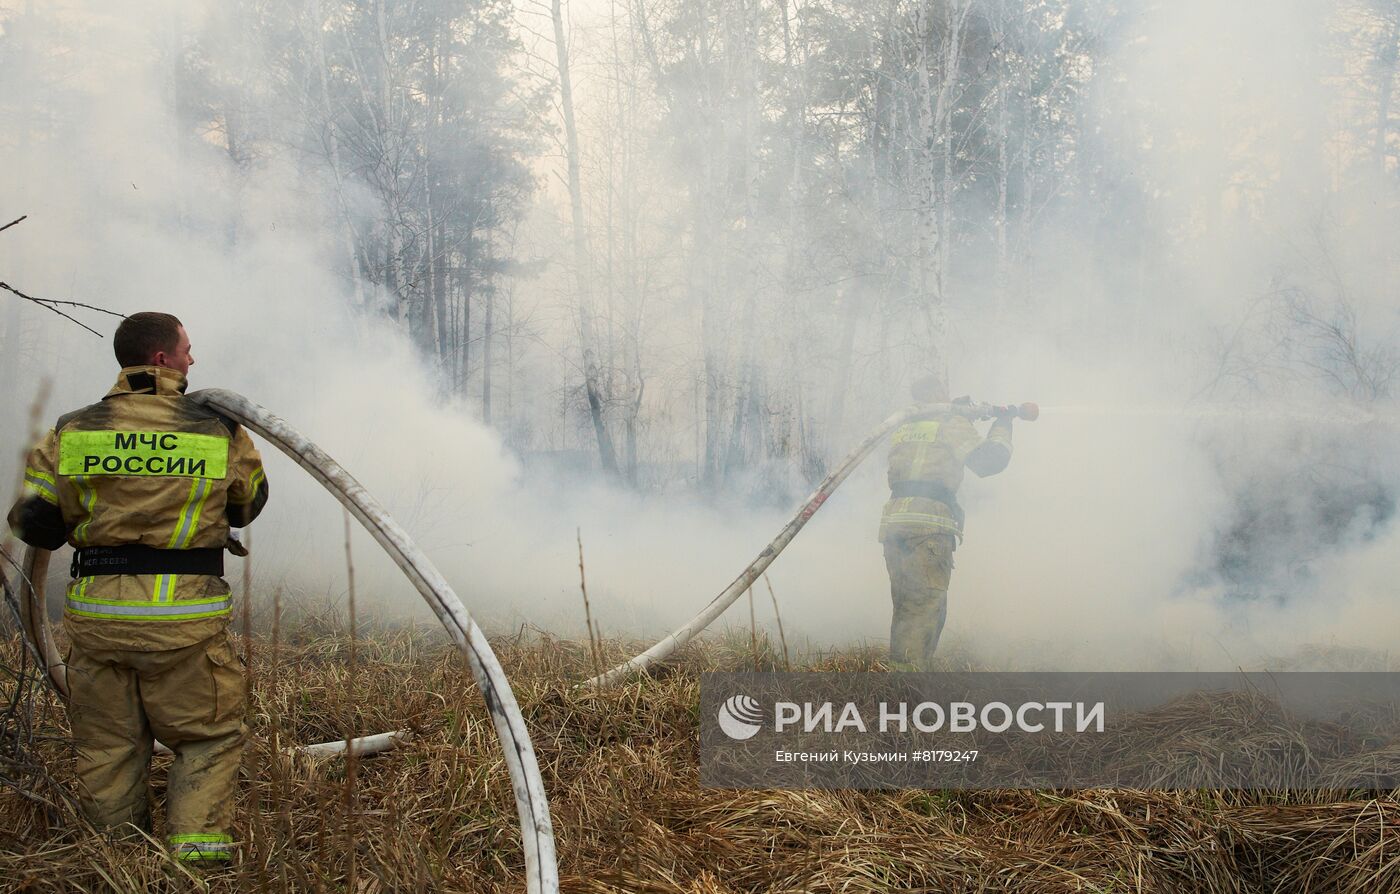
(141, 336)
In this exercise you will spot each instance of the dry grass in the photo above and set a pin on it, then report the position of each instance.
(630, 816)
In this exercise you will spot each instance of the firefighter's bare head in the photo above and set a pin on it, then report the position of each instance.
(153, 339)
(930, 389)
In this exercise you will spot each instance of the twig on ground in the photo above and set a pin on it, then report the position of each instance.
(787, 660)
(753, 633)
(256, 828)
(351, 758)
(594, 648)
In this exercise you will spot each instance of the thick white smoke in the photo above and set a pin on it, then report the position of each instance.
(1081, 554)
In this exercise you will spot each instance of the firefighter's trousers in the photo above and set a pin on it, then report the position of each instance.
(920, 567)
(192, 700)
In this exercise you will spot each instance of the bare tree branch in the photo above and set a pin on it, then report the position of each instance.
(53, 305)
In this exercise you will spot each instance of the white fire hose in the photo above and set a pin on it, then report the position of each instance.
(727, 597)
(536, 829)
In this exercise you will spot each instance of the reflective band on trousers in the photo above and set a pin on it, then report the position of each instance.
(134, 610)
(206, 846)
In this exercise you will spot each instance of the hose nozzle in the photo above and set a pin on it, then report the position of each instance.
(1027, 411)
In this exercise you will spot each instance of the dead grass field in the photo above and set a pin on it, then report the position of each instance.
(629, 815)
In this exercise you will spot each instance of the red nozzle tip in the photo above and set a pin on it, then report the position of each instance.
(1029, 411)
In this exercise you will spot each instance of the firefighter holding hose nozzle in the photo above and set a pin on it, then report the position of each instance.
(922, 522)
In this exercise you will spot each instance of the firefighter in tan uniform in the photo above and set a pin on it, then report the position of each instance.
(922, 522)
(145, 485)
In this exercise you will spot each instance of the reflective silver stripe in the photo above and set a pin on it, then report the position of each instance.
(920, 519)
(203, 851)
(193, 505)
(87, 496)
(201, 838)
(202, 846)
(151, 609)
(253, 481)
(45, 488)
(165, 588)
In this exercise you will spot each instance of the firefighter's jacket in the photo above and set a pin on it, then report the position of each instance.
(147, 466)
(927, 459)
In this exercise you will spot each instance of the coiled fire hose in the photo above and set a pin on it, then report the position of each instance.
(536, 829)
(730, 594)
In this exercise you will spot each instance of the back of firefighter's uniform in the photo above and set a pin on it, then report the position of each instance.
(922, 522)
(145, 485)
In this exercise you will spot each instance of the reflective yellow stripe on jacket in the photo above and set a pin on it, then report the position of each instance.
(923, 519)
(87, 498)
(153, 610)
(41, 483)
(189, 515)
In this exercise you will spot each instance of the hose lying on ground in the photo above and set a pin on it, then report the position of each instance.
(727, 597)
(536, 829)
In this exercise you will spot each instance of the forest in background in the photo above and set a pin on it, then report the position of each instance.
(701, 245)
